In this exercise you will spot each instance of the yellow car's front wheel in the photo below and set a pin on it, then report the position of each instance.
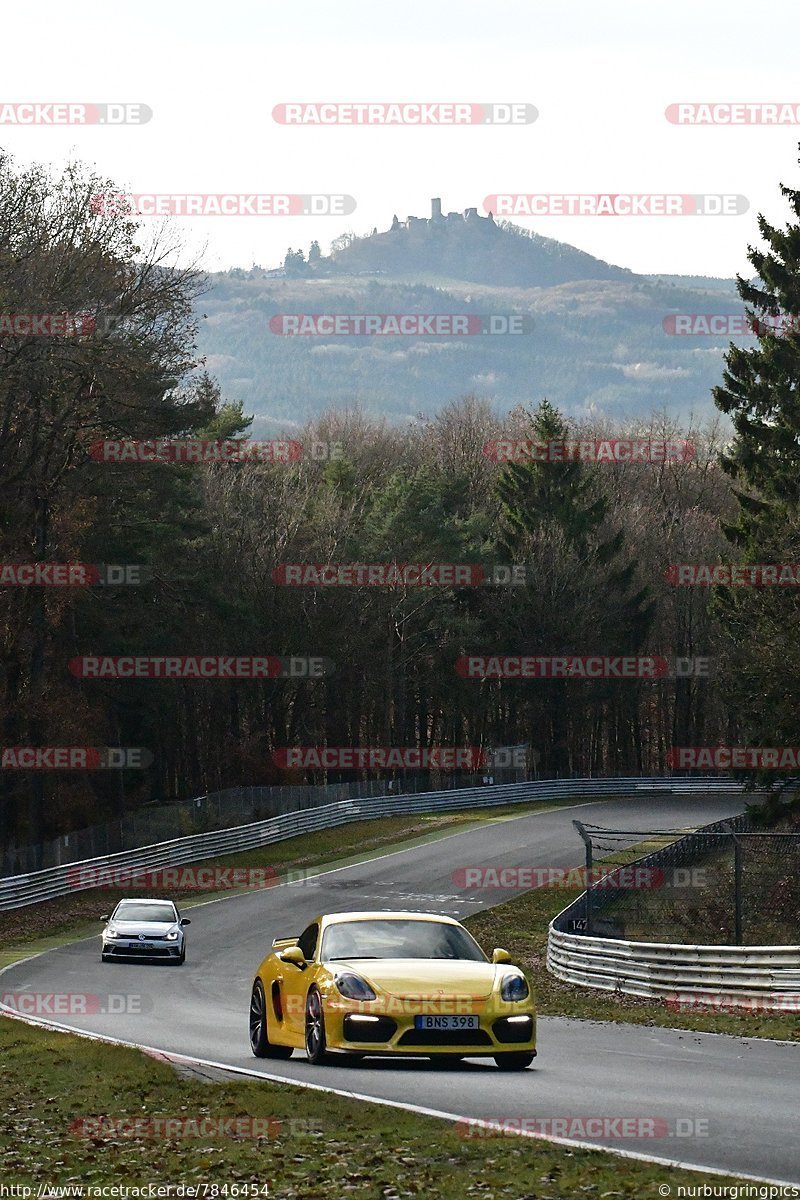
(513, 1061)
(316, 1041)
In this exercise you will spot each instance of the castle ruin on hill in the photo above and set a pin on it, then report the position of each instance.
(437, 217)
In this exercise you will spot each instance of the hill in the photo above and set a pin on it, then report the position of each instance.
(471, 248)
(599, 342)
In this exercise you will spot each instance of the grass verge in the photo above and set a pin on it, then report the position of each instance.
(318, 1145)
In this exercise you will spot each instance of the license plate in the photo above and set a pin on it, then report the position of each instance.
(134, 945)
(448, 1023)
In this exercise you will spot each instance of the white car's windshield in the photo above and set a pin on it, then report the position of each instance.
(399, 939)
(131, 911)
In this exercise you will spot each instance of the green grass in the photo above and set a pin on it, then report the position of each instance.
(520, 926)
(36, 927)
(319, 1146)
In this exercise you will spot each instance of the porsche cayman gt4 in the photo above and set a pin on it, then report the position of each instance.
(388, 983)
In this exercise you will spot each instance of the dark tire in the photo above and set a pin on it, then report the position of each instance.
(513, 1062)
(182, 958)
(260, 1044)
(316, 1042)
(105, 958)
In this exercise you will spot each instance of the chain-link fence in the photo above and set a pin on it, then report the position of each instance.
(729, 884)
(224, 810)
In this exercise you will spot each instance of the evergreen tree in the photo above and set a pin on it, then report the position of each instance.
(581, 597)
(760, 394)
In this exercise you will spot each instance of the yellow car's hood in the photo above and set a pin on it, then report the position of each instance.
(413, 978)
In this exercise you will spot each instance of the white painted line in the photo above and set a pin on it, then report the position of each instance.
(418, 1109)
(405, 850)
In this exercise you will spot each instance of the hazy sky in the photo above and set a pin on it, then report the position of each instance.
(600, 74)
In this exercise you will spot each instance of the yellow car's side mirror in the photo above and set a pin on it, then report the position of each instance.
(293, 954)
(500, 956)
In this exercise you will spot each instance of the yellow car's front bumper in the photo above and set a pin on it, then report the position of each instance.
(510, 1028)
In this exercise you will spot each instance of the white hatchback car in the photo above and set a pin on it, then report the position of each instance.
(145, 929)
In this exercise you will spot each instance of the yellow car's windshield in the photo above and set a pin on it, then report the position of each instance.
(399, 939)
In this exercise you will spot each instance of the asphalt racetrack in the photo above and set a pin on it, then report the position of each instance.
(745, 1092)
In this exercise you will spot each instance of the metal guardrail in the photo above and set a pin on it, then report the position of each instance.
(665, 970)
(20, 890)
(759, 975)
(151, 824)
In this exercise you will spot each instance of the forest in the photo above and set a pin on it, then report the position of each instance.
(600, 543)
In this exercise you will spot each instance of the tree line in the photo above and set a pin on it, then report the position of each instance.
(596, 541)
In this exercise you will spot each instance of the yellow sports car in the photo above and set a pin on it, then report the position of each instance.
(391, 983)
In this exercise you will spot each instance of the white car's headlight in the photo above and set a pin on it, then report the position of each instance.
(111, 932)
(353, 987)
(514, 987)
(172, 936)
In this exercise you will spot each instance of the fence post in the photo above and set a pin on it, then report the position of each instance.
(587, 841)
(737, 885)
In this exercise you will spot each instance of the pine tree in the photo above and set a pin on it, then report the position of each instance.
(761, 395)
(582, 596)
(760, 391)
(562, 495)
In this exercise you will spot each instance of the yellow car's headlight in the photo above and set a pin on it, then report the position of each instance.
(514, 987)
(352, 986)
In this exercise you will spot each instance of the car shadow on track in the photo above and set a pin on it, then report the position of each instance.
(407, 1064)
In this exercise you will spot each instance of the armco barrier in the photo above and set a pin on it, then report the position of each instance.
(761, 976)
(20, 890)
(748, 973)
